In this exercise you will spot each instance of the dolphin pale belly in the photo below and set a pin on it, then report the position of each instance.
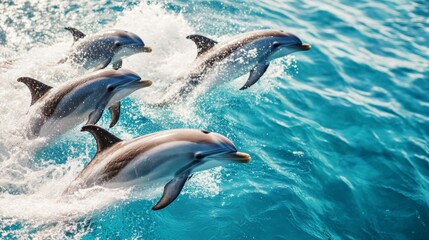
(167, 157)
(55, 110)
(101, 49)
(217, 63)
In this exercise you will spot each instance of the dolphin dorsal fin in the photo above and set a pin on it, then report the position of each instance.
(103, 138)
(203, 43)
(37, 88)
(76, 33)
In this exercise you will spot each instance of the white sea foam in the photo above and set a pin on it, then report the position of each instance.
(31, 189)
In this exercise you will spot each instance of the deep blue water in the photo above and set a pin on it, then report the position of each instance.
(338, 135)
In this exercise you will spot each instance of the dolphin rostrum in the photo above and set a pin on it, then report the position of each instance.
(163, 158)
(101, 49)
(54, 110)
(218, 63)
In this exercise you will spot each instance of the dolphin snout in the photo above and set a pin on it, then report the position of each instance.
(144, 83)
(147, 49)
(234, 156)
(239, 157)
(305, 47)
(301, 46)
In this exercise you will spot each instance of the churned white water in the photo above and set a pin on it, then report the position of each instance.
(31, 201)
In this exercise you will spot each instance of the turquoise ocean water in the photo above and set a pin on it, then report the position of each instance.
(338, 135)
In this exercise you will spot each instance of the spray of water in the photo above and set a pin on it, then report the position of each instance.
(31, 201)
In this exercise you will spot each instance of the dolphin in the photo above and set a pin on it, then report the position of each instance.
(101, 49)
(168, 157)
(218, 63)
(55, 110)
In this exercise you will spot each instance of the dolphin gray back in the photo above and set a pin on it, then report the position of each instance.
(212, 54)
(221, 51)
(61, 91)
(125, 152)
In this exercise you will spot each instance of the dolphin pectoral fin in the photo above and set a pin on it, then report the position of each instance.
(255, 74)
(203, 43)
(117, 64)
(103, 138)
(76, 33)
(171, 190)
(37, 88)
(115, 112)
(103, 64)
(95, 115)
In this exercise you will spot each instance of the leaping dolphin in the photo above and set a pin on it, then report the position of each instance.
(55, 110)
(101, 49)
(218, 63)
(167, 157)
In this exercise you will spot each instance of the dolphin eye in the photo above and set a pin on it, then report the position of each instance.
(110, 88)
(117, 44)
(199, 156)
(205, 132)
(276, 44)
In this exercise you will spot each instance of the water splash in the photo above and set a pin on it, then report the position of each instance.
(31, 201)
(32, 180)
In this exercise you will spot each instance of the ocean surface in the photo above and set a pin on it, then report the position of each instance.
(338, 135)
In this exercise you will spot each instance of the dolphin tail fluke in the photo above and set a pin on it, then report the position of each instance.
(103, 137)
(171, 190)
(76, 33)
(255, 74)
(37, 88)
(115, 112)
(203, 43)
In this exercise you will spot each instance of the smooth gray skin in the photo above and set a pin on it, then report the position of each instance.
(56, 110)
(217, 63)
(101, 49)
(167, 157)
